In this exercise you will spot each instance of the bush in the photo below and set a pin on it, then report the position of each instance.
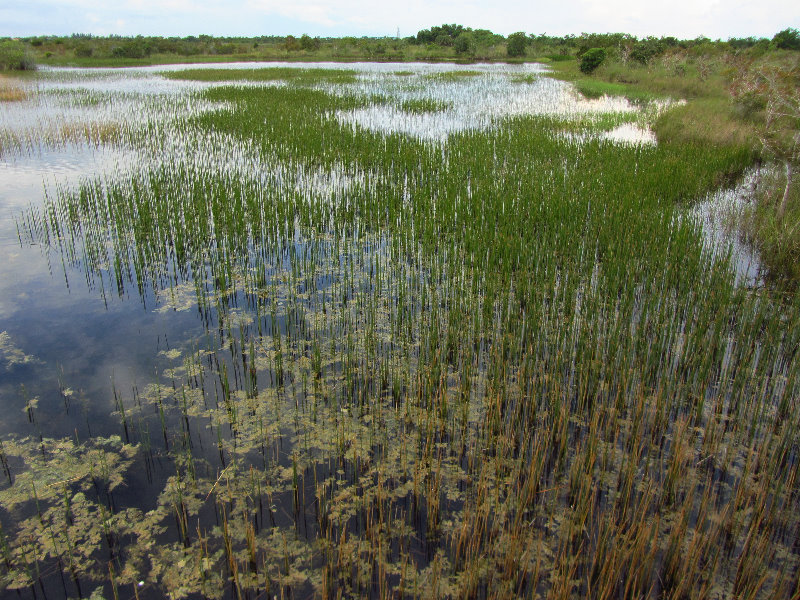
(131, 49)
(84, 51)
(464, 44)
(14, 56)
(291, 44)
(788, 39)
(646, 49)
(444, 40)
(225, 49)
(309, 43)
(516, 44)
(592, 59)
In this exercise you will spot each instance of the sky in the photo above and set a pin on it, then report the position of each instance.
(687, 19)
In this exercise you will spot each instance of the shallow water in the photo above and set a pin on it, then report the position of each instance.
(283, 358)
(718, 214)
(73, 322)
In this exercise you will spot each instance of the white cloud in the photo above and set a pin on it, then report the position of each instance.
(682, 18)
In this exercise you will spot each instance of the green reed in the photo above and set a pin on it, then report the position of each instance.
(500, 366)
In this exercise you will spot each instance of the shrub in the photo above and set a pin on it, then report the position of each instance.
(225, 49)
(788, 39)
(309, 43)
(516, 44)
(15, 56)
(131, 49)
(646, 49)
(464, 44)
(592, 59)
(444, 40)
(84, 51)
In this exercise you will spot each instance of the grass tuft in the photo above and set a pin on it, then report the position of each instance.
(290, 74)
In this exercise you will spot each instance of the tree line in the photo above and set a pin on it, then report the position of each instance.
(442, 42)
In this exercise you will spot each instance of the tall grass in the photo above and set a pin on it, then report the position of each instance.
(500, 366)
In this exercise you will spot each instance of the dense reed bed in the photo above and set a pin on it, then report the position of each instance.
(498, 365)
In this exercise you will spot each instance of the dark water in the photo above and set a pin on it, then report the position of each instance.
(74, 333)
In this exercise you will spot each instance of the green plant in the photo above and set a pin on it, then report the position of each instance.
(592, 59)
(516, 44)
(464, 44)
(309, 43)
(788, 39)
(14, 56)
(644, 50)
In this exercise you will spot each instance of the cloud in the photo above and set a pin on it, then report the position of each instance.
(682, 18)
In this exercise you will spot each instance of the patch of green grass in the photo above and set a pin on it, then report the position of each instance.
(451, 75)
(424, 105)
(705, 120)
(595, 86)
(295, 75)
(560, 57)
(592, 88)
(524, 78)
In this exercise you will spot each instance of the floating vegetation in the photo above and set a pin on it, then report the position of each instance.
(494, 362)
(11, 354)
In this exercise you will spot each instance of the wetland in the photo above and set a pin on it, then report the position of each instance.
(389, 330)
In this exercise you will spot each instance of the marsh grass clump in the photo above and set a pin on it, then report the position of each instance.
(498, 365)
(452, 76)
(424, 105)
(10, 91)
(289, 74)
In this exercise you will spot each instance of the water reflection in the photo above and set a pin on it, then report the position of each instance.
(719, 215)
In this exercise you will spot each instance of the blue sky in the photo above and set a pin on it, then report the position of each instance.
(682, 18)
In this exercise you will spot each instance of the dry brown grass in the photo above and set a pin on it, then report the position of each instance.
(10, 92)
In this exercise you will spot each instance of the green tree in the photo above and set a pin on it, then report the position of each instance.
(440, 34)
(788, 39)
(464, 44)
(646, 49)
(309, 43)
(516, 44)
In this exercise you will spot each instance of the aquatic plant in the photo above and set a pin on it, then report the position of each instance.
(498, 363)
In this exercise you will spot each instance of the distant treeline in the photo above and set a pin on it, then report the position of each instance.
(443, 42)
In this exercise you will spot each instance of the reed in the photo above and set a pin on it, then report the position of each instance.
(502, 364)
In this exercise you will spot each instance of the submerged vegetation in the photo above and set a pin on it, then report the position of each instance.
(499, 362)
